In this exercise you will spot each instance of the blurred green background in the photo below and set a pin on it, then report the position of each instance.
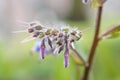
(16, 62)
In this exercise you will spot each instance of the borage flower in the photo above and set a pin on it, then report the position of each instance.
(53, 40)
(85, 1)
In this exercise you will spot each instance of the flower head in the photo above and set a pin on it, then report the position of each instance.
(52, 40)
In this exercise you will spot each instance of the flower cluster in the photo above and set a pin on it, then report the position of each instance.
(52, 40)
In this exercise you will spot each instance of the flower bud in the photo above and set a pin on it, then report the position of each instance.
(38, 27)
(30, 30)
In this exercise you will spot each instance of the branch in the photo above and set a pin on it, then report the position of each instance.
(108, 31)
(94, 45)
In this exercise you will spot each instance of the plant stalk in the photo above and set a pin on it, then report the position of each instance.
(94, 44)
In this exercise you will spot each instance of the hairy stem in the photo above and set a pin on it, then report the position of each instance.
(94, 44)
(108, 31)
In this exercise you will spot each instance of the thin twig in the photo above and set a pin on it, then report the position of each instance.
(78, 55)
(109, 30)
(94, 45)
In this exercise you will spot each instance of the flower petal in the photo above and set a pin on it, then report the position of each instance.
(42, 52)
(66, 60)
(85, 1)
(66, 54)
(42, 49)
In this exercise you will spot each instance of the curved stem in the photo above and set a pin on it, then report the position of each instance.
(94, 45)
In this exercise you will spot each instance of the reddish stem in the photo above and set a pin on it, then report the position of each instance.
(94, 45)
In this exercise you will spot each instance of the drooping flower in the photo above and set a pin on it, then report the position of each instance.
(52, 40)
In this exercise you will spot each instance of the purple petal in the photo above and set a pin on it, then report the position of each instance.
(43, 48)
(42, 52)
(66, 60)
(37, 45)
(37, 48)
(66, 54)
(85, 1)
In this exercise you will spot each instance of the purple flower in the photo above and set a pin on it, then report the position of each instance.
(85, 1)
(52, 40)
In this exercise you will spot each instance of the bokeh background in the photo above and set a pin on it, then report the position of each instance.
(16, 63)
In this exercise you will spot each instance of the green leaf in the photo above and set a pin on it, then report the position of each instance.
(97, 3)
(113, 35)
(116, 30)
